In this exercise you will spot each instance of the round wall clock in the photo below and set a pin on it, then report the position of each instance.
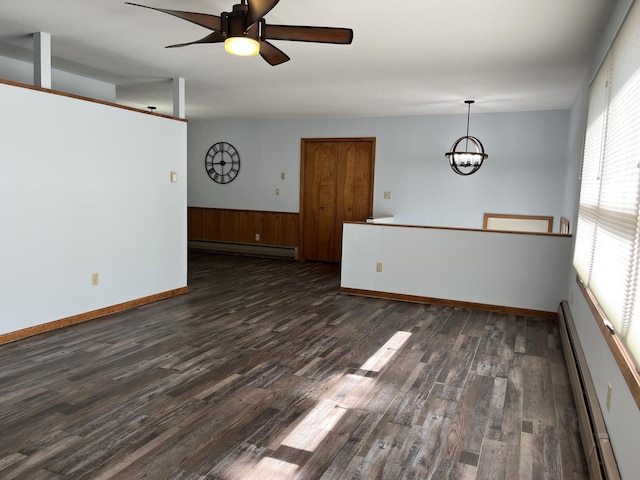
(222, 162)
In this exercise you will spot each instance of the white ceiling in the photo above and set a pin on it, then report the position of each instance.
(412, 57)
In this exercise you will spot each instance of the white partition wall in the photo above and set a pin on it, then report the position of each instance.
(515, 270)
(86, 188)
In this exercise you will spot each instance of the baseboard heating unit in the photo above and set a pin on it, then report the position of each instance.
(251, 249)
(595, 439)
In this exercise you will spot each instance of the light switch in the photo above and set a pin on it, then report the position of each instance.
(387, 195)
(174, 176)
(282, 176)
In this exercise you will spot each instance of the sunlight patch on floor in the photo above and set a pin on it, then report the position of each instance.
(271, 469)
(379, 360)
(360, 391)
(313, 429)
(315, 426)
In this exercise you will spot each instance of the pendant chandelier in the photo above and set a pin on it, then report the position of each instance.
(466, 162)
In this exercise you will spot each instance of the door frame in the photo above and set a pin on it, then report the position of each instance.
(303, 143)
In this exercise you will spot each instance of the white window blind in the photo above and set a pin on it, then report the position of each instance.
(608, 229)
(590, 181)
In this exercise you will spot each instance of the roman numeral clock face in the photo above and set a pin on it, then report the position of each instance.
(222, 162)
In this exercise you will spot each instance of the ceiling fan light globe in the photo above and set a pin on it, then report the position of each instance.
(242, 46)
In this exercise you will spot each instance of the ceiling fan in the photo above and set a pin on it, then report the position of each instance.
(244, 30)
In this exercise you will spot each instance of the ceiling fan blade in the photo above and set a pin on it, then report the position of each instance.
(212, 22)
(272, 55)
(215, 37)
(298, 33)
(258, 9)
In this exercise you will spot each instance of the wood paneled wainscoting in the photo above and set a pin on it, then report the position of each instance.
(249, 231)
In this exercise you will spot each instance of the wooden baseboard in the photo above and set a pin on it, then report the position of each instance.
(83, 317)
(450, 303)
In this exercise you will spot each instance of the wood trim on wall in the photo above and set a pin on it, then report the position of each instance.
(618, 350)
(429, 227)
(449, 303)
(83, 317)
(278, 229)
(544, 219)
(89, 99)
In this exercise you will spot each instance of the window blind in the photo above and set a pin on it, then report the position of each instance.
(608, 227)
(590, 179)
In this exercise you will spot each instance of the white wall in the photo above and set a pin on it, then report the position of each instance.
(22, 72)
(575, 148)
(460, 265)
(623, 419)
(84, 188)
(525, 172)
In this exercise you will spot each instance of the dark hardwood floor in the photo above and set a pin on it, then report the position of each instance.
(265, 371)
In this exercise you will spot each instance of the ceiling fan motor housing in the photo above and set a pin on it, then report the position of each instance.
(233, 23)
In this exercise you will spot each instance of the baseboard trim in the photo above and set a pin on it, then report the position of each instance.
(450, 303)
(92, 315)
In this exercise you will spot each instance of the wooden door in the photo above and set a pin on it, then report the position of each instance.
(336, 186)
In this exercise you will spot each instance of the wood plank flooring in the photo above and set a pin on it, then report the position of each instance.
(264, 371)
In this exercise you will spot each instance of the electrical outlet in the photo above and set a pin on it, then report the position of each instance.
(257, 237)
(379, 267)
(282, 176)
(609, 390)
(94, 278)
(277, 191)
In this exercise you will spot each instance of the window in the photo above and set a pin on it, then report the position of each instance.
(608, 230)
